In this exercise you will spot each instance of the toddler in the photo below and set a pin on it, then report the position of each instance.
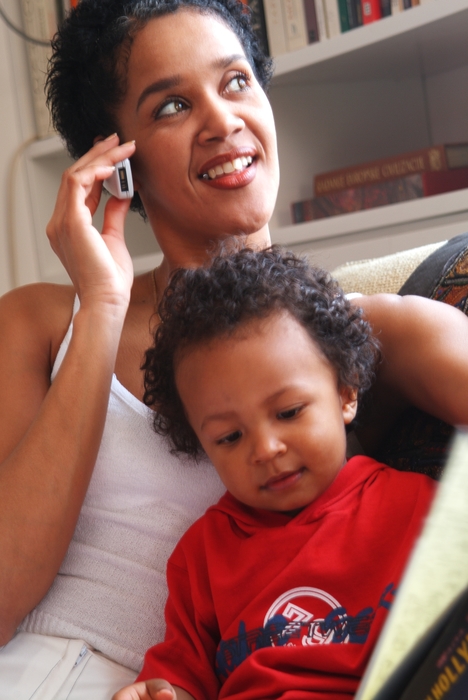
(281, 589)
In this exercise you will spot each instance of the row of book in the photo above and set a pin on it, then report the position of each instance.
(288, 25)
(422, 173)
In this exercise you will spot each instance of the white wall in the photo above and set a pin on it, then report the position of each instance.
(16, 125)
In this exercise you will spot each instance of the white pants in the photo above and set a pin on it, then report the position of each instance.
(38, 667)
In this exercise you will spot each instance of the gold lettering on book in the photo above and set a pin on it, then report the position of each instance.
(362, 177)
(403, 167)
(435, 160)
(334, 182)
(450, 674)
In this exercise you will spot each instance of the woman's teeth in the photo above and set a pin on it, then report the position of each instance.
(229, 167)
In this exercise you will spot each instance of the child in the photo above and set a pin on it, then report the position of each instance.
(282, 588)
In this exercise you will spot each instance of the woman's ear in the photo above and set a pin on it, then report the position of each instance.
(349, 403)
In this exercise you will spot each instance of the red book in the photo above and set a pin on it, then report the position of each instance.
(371, 11)
(434, 158)
(379, 194)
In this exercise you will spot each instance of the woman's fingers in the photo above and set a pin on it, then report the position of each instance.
(97, 262)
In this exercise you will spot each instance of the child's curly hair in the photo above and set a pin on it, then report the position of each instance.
(211, 302)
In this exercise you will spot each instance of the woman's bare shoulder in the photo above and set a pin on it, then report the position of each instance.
(36, 316)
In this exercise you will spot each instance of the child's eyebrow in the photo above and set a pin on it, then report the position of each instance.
(226, 415)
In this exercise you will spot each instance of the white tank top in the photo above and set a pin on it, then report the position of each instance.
(111, 587)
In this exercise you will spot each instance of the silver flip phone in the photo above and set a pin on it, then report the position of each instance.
(120, 183)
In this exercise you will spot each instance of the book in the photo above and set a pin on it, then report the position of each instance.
(351, 9)
(425, 635)
(343, 9)
(295, 24)
(386, 7)
(40, 20)
(424, 184)
(371, 11)
(396, 7)
(312, 27)
(332, 15)
(321, 19)
(275, 27)
(433, 158)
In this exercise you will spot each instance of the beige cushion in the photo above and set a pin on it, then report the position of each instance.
(386, 274)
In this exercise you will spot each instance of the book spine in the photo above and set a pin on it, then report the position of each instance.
(343, 9)
(352, 14)
(386, 7)
(295, 24)
(406, 4)
(396, 8)
(275, 27)
(358, 6)
(332, 15)
(371, 11)
(257, 19)
(39, 20)
(313, 32)
(321, 19)
(448, 181)
(378, 194)
(426, 159)
(414, 3)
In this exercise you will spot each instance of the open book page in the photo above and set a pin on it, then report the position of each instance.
(436, 574)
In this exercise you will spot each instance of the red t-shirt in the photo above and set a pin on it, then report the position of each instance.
(264, 605)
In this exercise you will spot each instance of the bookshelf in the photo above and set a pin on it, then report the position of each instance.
(392, 86)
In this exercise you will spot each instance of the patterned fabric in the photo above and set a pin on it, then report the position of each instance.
(419, 442)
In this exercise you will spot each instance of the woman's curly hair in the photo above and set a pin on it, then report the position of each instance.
(87, 78)
(211, 302)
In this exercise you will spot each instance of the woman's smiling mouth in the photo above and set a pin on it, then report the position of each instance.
(227, 168)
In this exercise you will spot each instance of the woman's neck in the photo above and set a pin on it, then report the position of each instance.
(193, 255)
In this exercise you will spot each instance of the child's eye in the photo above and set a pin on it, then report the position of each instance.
(229, 439)
(289, 413)
(239, 83)
(172, 105)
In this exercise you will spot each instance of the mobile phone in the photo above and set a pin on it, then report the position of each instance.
(120, 183)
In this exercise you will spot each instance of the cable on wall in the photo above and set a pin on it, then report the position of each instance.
(20, 32)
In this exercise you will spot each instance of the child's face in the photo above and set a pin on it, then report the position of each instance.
(266, 407)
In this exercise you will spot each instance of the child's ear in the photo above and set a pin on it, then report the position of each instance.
(349, 403)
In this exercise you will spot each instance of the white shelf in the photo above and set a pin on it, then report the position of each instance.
(403, 213)
(412, 41)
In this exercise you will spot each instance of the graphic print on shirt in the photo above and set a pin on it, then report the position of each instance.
(302, 616)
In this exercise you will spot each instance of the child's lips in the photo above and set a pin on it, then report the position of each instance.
(284, 480)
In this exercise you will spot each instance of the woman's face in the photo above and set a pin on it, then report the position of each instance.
(206, 158)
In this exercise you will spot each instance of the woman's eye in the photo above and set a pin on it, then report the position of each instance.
(229, 439)
(289, 413)
(238, 83)
(170, 107)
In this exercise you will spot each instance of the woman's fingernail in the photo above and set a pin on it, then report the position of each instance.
(111, 136)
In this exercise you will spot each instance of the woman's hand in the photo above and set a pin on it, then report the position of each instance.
(155, 689)
(98, 264)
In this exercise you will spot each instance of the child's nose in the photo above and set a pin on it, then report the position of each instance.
(266, 446)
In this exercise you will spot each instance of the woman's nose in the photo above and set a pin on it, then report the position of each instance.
(219, 120)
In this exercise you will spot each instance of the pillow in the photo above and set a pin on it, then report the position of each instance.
(384, 274)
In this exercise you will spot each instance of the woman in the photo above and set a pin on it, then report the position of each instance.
(92, 501)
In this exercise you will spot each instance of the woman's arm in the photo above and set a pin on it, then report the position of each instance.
(425, 354)
(50, 434)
